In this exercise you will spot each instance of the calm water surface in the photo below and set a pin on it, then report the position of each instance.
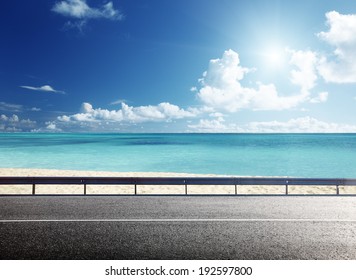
(300, 155)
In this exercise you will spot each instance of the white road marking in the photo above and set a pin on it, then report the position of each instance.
(176, 220)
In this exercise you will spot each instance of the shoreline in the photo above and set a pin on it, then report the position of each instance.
(147, 189)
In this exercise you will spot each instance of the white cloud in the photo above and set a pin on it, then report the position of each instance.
(216, 115)
(81, 12)
(10, 107)
(217, 125)
(221, 87)
(298, 125)
(209, 126)
(341, 68)
(13, 118)
(16, 108)
(322, 97)
(119, 101)
(50, 127)
(45, 88)
(305, 76)
(15, 124)
(94, 118)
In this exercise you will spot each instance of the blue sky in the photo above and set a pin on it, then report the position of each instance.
(178, 66)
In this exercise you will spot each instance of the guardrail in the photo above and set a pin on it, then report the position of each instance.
(184, 181)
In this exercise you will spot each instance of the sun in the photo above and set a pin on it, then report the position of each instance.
(274, 57)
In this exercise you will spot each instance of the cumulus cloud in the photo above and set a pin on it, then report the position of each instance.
(95, 117)
(15, 124)
(341, 67)
(45, 88)
(305, 75)
(213, 125)
(50, 127)
(298, 125)
(221, 86)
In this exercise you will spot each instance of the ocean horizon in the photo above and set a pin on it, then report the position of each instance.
(278, 154)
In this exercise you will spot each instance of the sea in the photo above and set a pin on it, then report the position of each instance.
(295, 155)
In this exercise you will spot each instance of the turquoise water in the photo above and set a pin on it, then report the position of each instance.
(299, 155)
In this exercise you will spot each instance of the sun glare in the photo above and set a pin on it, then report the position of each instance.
(274, 57)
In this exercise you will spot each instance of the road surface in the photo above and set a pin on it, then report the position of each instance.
(168, 227)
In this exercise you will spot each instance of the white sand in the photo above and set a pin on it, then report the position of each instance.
(147, 189)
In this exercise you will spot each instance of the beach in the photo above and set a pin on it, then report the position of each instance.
(148, 189)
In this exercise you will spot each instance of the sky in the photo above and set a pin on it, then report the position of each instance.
(147, 66)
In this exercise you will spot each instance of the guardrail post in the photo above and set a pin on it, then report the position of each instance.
(186, 187)
(337, 190)
(135, 189)
(33, 189)
(82, 181)
(237, 182)
(286, 187)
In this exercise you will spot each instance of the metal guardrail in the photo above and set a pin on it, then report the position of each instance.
(184, 181)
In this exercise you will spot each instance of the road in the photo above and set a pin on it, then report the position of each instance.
(168, 227)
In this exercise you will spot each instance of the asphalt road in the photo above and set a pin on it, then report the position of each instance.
(178, 227)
